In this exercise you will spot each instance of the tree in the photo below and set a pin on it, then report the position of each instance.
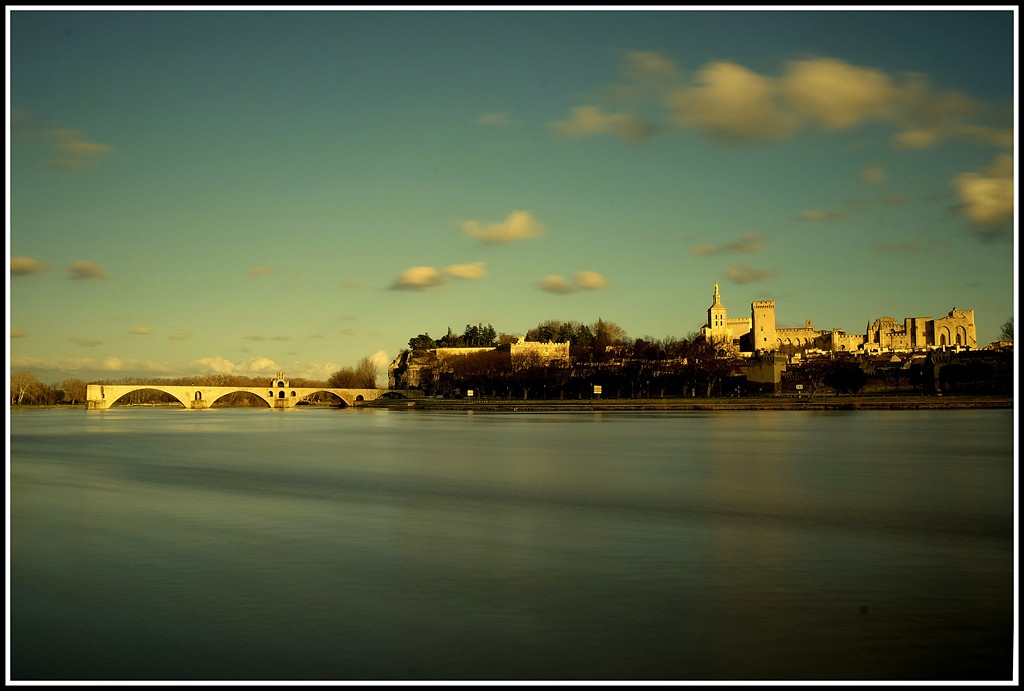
(74, 390)
(363, 376)
(1006, 331)
(24, 384)
(846, 377)
(479, 336)
(421, 342)
(606, 334)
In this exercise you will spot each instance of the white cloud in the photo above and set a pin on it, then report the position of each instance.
(553, 283)
(582, 280)
(418, 278)
(473, 271)
(27, 265)
(987, 197)
(519, 225)
(838, 95)
(587, 120)
(422, 277)
(732, 104)
(590, 280)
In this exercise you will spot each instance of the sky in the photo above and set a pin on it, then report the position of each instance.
(246, 191)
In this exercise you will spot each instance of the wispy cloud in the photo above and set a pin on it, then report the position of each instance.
(73, 151)
(745, 274)
(581, 281)
(85, 269)
(908, 247)
(180, 336)
(587, 120)
(18, 332)
(22, 266)
(816, 215)
(86, 342)
(987, 198)
(750, 243)
(495, 120)
(519, 225)
(256, 271)
(873, 175)
(142, 330)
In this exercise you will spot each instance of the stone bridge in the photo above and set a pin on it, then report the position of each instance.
(277, 395)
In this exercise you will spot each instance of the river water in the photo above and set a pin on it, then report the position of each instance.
(243, 544)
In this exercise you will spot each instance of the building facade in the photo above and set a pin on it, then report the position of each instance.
(761, 334)
(720, 328)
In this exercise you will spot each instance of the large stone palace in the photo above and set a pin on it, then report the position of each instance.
(760, 334)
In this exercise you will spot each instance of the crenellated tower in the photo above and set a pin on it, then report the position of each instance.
(762, 325)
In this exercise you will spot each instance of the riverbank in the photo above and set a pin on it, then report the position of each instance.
(908, 402)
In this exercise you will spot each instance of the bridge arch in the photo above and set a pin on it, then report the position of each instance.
(185, 403)
(250, 395)
(334, 394)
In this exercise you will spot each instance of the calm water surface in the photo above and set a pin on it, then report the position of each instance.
(159, 544)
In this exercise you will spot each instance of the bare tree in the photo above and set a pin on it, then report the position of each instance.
(74, 390)
(363, 376)
(24, 383)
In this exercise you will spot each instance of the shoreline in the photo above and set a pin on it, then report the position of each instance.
(910, 402)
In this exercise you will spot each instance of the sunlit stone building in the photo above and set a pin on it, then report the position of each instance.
(761, 334)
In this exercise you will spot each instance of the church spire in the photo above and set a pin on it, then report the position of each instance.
(717, 298)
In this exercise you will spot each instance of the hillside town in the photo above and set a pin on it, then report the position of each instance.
(747, 355)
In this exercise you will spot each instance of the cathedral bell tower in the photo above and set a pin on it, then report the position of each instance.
(716, 329)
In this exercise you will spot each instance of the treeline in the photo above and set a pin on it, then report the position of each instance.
(586, 341)
(26, 389)
(642, 369)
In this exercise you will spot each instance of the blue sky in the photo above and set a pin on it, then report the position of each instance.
(247, 191)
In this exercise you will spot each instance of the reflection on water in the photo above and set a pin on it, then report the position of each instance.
(326, 544)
